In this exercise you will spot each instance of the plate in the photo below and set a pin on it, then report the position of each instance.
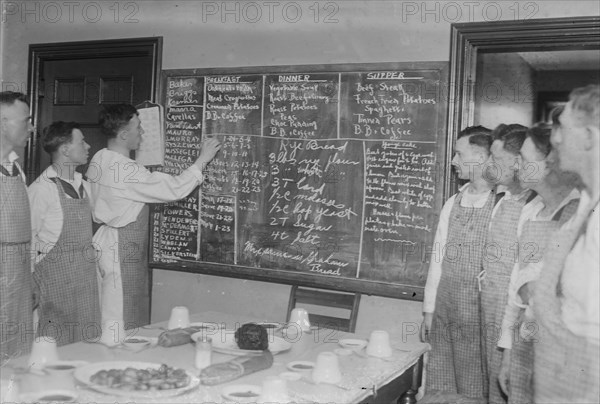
(84, 374)
(353, 344)
(225, 343)
(241, 393)
(301, 366)
(272, 326)
(209, 325)
(49, 396)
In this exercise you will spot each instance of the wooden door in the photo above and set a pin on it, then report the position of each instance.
(76, 90)
(71, 81)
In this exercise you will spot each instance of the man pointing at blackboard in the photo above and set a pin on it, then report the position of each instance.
(120, 191)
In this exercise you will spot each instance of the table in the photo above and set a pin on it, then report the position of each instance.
(365, 379)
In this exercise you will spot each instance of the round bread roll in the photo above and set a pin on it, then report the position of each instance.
(252, 336)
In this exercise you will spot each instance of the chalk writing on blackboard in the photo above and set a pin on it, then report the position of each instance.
(333, 174)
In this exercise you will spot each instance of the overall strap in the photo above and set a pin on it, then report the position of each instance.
(69, 189)
(15, 170)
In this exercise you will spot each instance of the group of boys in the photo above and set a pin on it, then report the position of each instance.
(511, 310)
(78, 282)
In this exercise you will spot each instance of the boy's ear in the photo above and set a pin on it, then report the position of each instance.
(122, 134)
(64, 150)
(591, 137)
(483, 158)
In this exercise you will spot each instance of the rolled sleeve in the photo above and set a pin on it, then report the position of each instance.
(156, 187)
(435, 266)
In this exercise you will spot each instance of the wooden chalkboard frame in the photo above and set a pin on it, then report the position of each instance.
(369, 287)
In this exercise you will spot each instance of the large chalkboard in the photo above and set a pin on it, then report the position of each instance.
(329, 176)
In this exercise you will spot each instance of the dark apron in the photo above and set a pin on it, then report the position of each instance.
(456, 361)
(135, 274)
(500, 257)
(69, 307)
(532, 246)
(16, 293)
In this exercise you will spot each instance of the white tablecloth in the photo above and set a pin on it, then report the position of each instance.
(361, 374)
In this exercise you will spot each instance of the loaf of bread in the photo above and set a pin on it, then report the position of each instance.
(252, 336)
(180, 336)
(235, 368)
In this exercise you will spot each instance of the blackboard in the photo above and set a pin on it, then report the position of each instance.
(329, 176)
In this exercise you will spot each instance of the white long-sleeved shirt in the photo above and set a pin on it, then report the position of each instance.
(580, 281)
(46, 210)
(434, 275)
(522, 275)
(120, 187)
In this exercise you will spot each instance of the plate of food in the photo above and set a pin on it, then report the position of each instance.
(136, 379)
(241, 393)
(249, 339)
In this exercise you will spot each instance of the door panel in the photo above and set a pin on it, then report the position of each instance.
(75, 90)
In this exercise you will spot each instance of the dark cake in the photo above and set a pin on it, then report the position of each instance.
(252, 336)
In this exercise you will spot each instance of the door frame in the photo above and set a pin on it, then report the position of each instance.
(470, 39)
(110, 48)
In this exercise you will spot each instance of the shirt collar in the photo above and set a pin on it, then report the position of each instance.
(465, 187)
(12, 157)
(585, 199)
(509, 195)
(51, 172)
(574, 194)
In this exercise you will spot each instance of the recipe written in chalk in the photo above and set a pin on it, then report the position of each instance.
(335, 174)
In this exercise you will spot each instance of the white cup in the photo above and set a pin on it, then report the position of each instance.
(9, 391)
(379, 344)
(62, 374)
(180, 318)
(327, 369)
(274, 390)
(203, 352)
(300, 317)
(43, 350)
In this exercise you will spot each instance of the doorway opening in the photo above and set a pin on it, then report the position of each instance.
(71, 81)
